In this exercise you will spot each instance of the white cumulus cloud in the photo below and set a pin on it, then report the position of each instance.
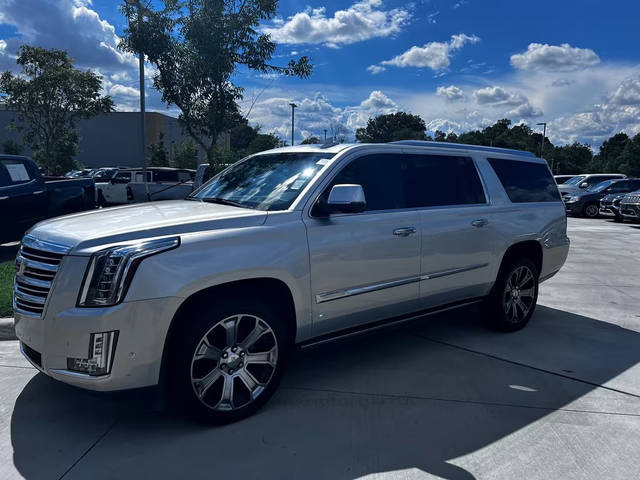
(434, 55)
(558, 58)
(451, 93)
(361, 21)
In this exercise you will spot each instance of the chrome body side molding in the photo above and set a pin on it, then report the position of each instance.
(337, 294)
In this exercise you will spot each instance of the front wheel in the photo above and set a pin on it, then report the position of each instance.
(225, 365)
(513, 298)
(591, 211)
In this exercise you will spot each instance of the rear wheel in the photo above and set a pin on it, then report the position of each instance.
(227, 363)
(513, 298)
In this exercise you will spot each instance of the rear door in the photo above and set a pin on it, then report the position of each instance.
(365, 266)
(456, 232)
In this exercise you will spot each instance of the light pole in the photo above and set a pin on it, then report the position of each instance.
(293, 109)
(325, 135)
(544, 135)
(143, 126)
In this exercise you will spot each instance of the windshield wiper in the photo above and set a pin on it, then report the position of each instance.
(224, 201)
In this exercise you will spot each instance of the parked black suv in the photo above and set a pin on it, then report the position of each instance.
(26, 197)
(587, 202)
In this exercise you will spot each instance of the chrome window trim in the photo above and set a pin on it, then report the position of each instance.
(336, 162)
(359, 290)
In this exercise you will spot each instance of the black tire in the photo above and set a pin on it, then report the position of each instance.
(183, 365)
(591, 210)
(618, 219)
(500, 314)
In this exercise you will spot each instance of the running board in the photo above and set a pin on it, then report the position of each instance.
(386, 323)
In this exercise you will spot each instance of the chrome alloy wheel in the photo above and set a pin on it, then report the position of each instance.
(234, 362)
(519, 294)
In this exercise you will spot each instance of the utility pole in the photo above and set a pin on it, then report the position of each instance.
(544, 135)
(143, 126)
(293, 109)
(325, 135)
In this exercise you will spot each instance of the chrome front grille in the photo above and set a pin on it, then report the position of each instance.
(36, 265)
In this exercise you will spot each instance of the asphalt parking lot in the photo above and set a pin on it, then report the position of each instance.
(440, 398)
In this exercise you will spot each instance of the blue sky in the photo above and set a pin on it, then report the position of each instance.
(460, 64)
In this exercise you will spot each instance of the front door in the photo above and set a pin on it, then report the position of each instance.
(365, 266)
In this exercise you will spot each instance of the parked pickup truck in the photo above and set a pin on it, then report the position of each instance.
(300, 245)
(127, 185)
(26, 197)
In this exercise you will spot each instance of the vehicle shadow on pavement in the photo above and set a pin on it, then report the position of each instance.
(406, 401)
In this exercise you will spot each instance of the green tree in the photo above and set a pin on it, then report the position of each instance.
(391, 127)
(157, 154)
(570, 159)
(11, 147)
(263, 142)
(310, 141)
(440, 136)
(630, 157)
(50, 96)
(197, 47)
(609, 158)
(186, 156)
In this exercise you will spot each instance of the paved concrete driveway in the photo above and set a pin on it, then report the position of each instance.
(442, 397)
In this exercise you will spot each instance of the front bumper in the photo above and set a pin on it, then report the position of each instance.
(573, 208)
(610, 209)
(630, 210)
(47, 342)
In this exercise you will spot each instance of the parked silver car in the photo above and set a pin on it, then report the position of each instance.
(292, 246)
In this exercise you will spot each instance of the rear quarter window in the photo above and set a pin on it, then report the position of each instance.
(525, 182)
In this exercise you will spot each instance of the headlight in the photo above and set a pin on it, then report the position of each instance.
(111, 270)
(573, 199)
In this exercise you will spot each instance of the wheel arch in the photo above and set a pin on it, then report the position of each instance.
(531, 249)
(261, 288)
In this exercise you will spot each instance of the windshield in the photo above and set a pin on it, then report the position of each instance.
(264, 182)
(601, 186)
(575, 180)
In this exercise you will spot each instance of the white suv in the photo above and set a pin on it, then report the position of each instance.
(208, 296)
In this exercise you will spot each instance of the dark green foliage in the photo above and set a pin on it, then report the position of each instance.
(186, 156)
(630, 157)
(157, 154)
(11, 147)
(391, 127)
(49, 97)
(310, 141)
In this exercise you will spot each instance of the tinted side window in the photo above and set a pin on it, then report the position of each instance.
(437, 180)
(123, 176)
(526, 181)
(380, 177)
(16, 172)
(166, 176)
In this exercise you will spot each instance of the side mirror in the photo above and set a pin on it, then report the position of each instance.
(583, 185)
(346, 198)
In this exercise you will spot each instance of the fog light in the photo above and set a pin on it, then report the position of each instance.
(101, 348)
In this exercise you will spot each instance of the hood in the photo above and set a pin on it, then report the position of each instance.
(145, 220)
(569, 189)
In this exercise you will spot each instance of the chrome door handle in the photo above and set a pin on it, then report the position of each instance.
(481, 222)
(38, 192)
(404, 231)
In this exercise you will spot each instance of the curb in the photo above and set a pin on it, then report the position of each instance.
(7, 332)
